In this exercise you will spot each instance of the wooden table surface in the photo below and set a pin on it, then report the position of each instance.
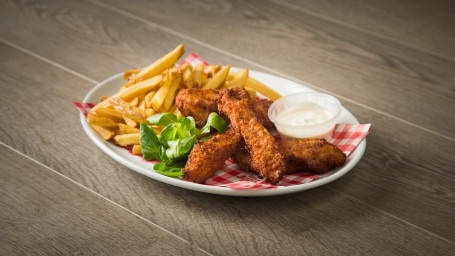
(391, 63)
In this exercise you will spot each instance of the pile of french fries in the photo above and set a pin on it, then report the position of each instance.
(152, 90)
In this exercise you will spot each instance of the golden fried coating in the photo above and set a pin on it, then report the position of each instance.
(209, 156)
(197, 103)
(261, 108)
(242, 159)
(267, 161)
(315, 155)
(301, 155)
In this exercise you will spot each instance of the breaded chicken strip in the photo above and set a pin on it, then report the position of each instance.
(267, 161)
(199, 103)
(314, 155)
(304, 155)
(209, 156)
(261, 108)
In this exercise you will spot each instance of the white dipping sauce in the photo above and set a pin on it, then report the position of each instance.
(305, 114)
(299, 118)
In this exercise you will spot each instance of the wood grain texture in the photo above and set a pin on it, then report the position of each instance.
(319, 221)
(46, 214)
(398, 200)
(380, 73)
(425, 24)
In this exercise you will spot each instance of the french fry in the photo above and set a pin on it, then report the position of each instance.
(127, 110)
(109, 113)
(150, 112)
(187, 75)
(160, 65)
(197, 75)
(262, 89)
(137, 150)
(169, 100)
(100, 121)
(130, 74)
(148, 98)
(126, 129)
(160, 95)
(250, 91)
(127, 139)
(141, 88)
(134, 101)
(105, 133)
(130, 121)
(238, 79)
(218, 80)
(141, 102)
(177, 113)
(213, 70)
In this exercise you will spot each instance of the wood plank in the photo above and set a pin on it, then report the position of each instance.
(46, 214)
(379, 73)
(319, 221)
(424, 24)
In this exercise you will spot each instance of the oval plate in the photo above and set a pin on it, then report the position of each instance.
(283, 86)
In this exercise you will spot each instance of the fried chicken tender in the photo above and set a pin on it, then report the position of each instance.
(314, 155)
(261, 108)
(305, 155)
(209, 156)
(267, 161)
(199, 103)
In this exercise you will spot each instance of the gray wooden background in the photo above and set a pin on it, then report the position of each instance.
(391, 63)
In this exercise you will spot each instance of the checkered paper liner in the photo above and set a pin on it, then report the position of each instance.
(345, 136)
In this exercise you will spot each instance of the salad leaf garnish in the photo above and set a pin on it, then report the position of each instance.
(216, 121)
(175, 141)
(148, 140)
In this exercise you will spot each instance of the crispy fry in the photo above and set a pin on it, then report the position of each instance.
(109, 113)
(213, 69)
(127, 139)
(262, 89)
(127, 129)
(105, 133)
(148, 98)
(100, 121)
(250, 91)
(130, 74)
(141, 88)
(187, 75)
(237, 80)
(197, 75)
(160, 65)
(127, 110)
(130, 121)
(160, 95)
(134, 101)
(141, 102)
(170, 98)
(150, 112)
(137, 150)
(218, 79)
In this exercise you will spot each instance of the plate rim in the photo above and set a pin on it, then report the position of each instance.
(106, 147)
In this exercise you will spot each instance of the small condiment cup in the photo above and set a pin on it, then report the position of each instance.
(300, 106)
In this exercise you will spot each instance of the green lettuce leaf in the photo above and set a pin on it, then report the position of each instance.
(162, 119)
(148, 140)
(216, 121)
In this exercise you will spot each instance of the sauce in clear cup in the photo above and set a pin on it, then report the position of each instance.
(305, 115)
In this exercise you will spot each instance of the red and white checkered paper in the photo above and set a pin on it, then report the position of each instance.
(345, 136)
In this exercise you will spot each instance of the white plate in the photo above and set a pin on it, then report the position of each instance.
(283, 86)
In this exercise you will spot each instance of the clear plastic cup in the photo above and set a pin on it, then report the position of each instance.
(305, 115)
